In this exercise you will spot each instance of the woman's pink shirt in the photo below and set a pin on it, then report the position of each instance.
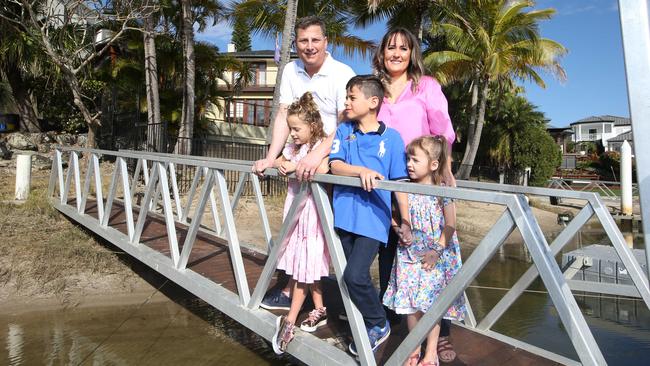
(421, 113)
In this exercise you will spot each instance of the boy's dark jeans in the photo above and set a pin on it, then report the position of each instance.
(386, 259)
(360, 251)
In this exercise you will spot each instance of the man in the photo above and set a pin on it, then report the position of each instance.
(318, 72)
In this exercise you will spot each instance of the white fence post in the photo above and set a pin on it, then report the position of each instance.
(23, 176)
(626, 179)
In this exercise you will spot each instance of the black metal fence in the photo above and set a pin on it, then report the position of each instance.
(154, 138)
(492, 174)
(203, 146)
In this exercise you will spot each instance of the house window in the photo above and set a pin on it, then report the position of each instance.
(236, 111)
(251, 111)
(608, 128)
(593, 134)
(259, 74)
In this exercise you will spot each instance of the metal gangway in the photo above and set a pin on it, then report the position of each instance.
(180, 251)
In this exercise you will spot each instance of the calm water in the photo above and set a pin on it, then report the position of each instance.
(174, 328)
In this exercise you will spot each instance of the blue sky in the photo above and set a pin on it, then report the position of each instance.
(589, 29)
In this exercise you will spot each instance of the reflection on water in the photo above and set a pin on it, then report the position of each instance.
(175, 328)
(159, 332)
(620, 326)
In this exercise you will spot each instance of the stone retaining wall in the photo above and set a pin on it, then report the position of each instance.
(40, 145)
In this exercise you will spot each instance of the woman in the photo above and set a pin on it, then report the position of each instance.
(414, 106)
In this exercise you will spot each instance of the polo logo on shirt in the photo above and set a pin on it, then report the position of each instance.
(351, 137)
(382, 149)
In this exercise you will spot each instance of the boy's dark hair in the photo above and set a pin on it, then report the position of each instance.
(306, 22)
(369, 85)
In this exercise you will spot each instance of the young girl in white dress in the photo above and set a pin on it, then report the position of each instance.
(423, 268)
(305, 258)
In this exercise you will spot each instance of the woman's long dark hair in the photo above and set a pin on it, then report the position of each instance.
(415, 69)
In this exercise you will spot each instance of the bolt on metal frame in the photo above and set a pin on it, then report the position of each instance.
(244, 307)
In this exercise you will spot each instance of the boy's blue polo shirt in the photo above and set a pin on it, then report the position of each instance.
(355, 210)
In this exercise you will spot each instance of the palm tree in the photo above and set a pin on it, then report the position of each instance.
(490, 43)
(508, 121)
(413, 15)
(200, 12)
(154, 125)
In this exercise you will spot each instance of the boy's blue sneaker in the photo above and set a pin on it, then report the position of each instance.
(276, 300)
(376, 336)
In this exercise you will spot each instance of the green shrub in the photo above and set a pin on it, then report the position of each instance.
(536, 149)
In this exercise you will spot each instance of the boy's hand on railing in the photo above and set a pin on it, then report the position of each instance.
(369, 178)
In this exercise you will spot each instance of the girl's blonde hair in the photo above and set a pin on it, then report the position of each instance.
(307, 110)
(435, 147)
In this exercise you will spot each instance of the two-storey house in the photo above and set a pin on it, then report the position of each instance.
(600, 129)
(244, 115)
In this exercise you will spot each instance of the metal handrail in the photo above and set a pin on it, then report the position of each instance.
(516, 216)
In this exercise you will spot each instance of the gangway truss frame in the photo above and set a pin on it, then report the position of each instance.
(244, 306)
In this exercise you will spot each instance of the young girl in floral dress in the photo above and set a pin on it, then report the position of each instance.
(423, 268)
(305, 257)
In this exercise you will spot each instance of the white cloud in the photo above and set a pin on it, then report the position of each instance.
(219, 34)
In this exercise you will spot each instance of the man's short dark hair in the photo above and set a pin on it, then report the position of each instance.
(306, 22)
(369, 85)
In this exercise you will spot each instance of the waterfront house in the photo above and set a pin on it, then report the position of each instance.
(615, 143)
(600, 129)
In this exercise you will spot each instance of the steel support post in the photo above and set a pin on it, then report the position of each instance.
(196, 221)
(128, 207)
(635, 31)
(150, 191)
(272, 259)
(233, 241)
(559, 291)
(262, 210)
(625, 254)
(168, 213)
(339, 262)
(531, 274)
(54, 172)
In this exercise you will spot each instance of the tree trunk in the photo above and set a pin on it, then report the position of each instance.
(285, 54)
(26, 110)
(77, 95)
(155, 131)
(476, 139)
(186, 131)
(464, 170)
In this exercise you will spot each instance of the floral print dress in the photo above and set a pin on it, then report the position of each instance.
(411, 288)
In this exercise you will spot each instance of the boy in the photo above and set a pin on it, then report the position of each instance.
(364, 147)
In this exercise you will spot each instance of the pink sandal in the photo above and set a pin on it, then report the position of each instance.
(446, 351)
